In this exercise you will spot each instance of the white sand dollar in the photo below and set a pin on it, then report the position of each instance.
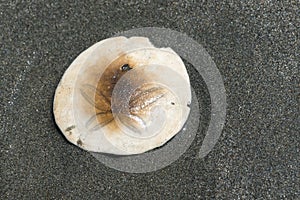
(123, 96)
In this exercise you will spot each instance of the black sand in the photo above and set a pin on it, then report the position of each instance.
(254, 45)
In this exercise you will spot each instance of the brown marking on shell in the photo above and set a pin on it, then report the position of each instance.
(104, 91)
(70, 128)
(79, 142)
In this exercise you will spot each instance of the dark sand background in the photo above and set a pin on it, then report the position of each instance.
(255, 45)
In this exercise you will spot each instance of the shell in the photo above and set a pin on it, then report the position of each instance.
(123, 96)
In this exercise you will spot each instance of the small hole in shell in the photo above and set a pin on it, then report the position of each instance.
(125, 67)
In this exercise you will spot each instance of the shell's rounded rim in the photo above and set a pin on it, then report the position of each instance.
(63, 101)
